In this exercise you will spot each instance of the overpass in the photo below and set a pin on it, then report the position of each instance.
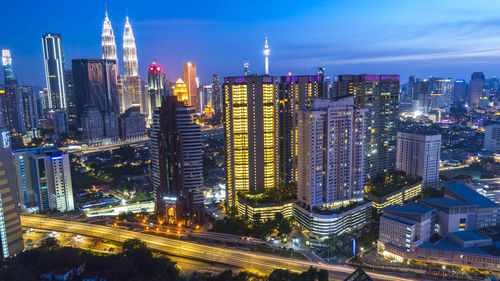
(213, 254)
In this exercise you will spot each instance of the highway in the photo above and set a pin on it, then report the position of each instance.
(233, 257)
(94, 149)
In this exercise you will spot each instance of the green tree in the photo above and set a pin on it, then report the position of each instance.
(50, 244)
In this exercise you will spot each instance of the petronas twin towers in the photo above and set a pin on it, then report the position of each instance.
(130, 89)
(130, 64)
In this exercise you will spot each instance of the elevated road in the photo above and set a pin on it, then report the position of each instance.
(233, 257)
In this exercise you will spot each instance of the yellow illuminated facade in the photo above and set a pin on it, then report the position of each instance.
(400, 197)
(250, 110)
(181, 91)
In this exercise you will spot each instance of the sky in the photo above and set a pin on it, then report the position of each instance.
(443, 38)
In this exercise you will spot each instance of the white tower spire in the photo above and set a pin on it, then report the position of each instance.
(130, 64)
(266, 55)
(108, 41)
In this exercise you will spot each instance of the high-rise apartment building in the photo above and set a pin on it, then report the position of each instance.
(44, 179)
(176, 164)
(8, 70)
(53, 58)
(418, 153)
(11, 237)
(156, 89)
(295, 93)
(251, 132)
(331, 149)
(189, 77)
(379, 94)
(475, 90)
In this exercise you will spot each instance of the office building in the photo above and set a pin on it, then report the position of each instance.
(59, 120)
(460, 90)
(421, 97)
(108, 41)
(176, 164)
(251, 132)
(132, 125)
(441, 92)
(189, 77)
(218, 98)
(44, 179)
(379, 94)
(181, 92)
(266, 52)
(331, 152)
(11, 237)
(475, 90)
(53, 58)
(130, 64)
(419, 154)
(20, 111)
(156, 89)
(70, 100)
(95, 83)
(8, 70)
(492, 138)
(92, 124)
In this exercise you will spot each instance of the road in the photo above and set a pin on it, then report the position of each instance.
(92, 149)
(233, 257)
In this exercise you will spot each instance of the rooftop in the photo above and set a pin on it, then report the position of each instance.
(413, 208)
(445, 202)
(469, 235)
(387, 183)
(468, 194)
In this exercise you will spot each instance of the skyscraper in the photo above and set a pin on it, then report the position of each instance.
(156, 89)
(421, 95)
(19, 111)
(331, 151)
(95, 83)
(460, 90)
(418, 154)
(53, 58)
(476, 87)
(189, 77)
(176, 164)
(11, 237)
(266, 51)
(251, 129)
(379, 94)
(218, 98)
(45, 179)
(130, 64)
(108, 41)
(181, 92)
(441, 91)
(246, 68)
(295, 93)
(8, 69)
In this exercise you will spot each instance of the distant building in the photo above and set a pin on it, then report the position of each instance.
(475, 90)
(132, 124)
(11, 237)
(189, 77)
(218, 97)
(44, 179)
(419, 154)
(59, 120)
(492, 138)
(181, 91)
(10, 79)
(440, 94)
(380, 95)
(54, 70)
(460, 90)
(108, 41)
(20, 111)
(176, 162)
(421, 96)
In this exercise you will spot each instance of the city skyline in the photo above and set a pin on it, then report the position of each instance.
(348, 43)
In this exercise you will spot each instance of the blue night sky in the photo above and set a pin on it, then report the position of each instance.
(439, 38)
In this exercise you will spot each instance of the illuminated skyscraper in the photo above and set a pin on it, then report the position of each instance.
(475, 90)
(130, 64)
(8, 70)
(132, 82)
(156, 89)
(53, 58)
(251, 132)
(181, 92)
(108, 41)
(11, 237)
(380, 95)
(246, 68)
(441, 94)
(189, 77)
(267, 51)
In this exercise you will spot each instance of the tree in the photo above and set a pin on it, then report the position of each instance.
(50, 244)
